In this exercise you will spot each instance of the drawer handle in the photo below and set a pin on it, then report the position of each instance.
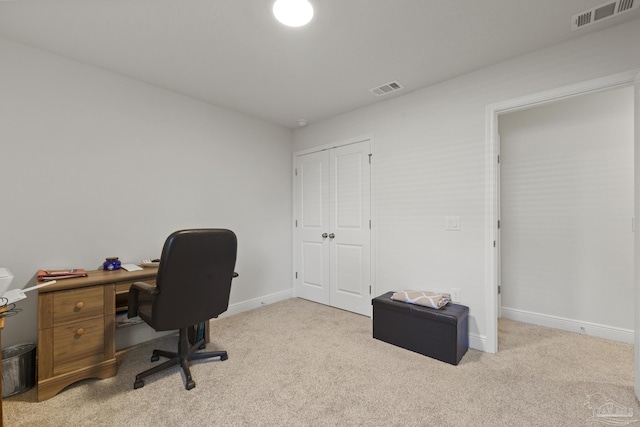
(79, 331)
(79, 305)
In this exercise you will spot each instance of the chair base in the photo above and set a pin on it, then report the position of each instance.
(182, 358)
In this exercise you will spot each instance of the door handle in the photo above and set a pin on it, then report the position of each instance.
(325, 235)
(331, 236)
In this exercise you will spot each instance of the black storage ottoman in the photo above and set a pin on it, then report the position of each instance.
(442, 334)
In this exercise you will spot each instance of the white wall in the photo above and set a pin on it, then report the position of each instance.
(93, 165)
(430, 162)
(566, 207)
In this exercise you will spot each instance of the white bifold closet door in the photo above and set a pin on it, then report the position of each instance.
(333, 232)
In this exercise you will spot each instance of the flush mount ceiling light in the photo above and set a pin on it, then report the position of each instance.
(293, 13)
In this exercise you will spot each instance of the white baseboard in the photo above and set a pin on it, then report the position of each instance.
(129, 335)
(135, 334)
(240, 307)
(478, 342)
(571, 325)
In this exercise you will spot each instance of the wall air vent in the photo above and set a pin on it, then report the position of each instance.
(387, 88)
(603, 11)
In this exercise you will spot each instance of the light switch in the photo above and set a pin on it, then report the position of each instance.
(452, 223)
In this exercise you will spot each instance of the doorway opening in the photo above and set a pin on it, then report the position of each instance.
(565, 242)
(492, 151)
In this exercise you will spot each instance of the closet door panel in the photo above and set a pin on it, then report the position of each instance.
(350, 218)
(313, 221)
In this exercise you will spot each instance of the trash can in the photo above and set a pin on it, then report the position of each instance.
(18, 369)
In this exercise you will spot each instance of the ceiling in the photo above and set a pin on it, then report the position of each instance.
(234, 54)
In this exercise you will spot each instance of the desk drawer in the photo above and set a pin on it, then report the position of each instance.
(78, 304)
(78, 345)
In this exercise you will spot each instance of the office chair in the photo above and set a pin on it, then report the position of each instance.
(192, 286)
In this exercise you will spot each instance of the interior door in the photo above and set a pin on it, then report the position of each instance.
(499, 237)
(312, 227)
(350, 233)
(333, 235)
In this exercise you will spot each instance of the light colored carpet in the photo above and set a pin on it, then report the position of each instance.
(299, 363)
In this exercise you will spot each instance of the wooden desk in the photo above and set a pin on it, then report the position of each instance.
(76, 327)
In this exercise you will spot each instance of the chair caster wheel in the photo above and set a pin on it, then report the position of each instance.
(155, 358)
(190, 384)
(138, 384)
(224, 357)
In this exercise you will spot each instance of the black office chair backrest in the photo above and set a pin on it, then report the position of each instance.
(194, 277)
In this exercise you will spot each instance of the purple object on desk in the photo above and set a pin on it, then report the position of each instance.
(111, 264)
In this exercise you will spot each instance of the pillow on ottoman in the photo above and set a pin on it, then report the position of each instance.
(425, 298)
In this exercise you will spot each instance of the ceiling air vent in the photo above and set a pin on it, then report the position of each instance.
(603, 11)
(386, 88)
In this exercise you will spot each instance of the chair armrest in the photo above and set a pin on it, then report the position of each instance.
(148, 291)
(235, 274)
(145, 287)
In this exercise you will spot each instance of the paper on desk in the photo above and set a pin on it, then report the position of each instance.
(15, 295)
(131, 267)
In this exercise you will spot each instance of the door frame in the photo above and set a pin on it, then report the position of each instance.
(294, 188)
(493, 111)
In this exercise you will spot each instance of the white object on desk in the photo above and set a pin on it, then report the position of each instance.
(149, 263)
(15, 295)
(131, 267)
(5, 280)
